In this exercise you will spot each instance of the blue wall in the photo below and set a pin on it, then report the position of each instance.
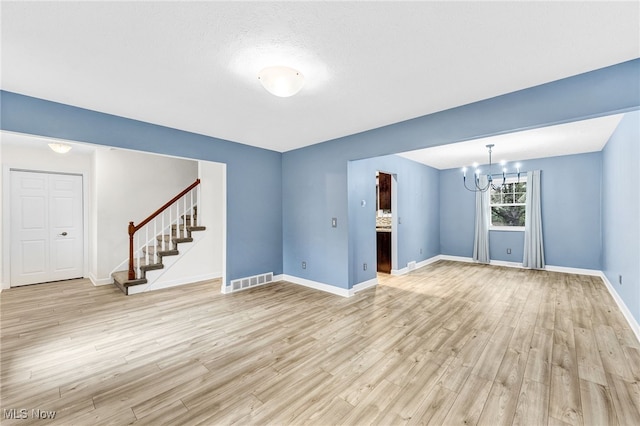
(417, 207)
(280, 205)
(571, 216)
(621, 211)
(315, 183)
(254, 177)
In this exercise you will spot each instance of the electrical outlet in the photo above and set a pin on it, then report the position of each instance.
(304, 265)
(420, 251)
(620, 279)
(508, 251)
(334, 222)
(364, 266)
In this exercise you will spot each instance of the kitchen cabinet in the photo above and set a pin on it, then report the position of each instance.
(384, 191)
(384, 251)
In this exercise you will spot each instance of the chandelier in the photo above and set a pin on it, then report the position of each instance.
(490, 176)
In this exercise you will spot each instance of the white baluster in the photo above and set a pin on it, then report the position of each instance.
(193, 222)
(146, 244)
(184, 219)
(138, 257)
(198, 197)
(155, 234)
(164, 245)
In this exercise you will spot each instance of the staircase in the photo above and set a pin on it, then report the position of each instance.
(152, 254)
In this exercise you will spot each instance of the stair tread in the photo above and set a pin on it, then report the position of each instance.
(122, 278)
(151, 266)
(174, 239)
(160, 252)
(188, 227)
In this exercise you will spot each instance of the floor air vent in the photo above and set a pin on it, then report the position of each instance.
(248, 282)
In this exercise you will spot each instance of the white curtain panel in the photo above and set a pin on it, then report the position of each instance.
(533, 246)
(481, 241)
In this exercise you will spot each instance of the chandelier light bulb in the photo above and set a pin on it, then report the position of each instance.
(491, 177)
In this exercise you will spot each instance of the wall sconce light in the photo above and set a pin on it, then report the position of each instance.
(281, 81)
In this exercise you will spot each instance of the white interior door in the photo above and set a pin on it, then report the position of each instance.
(46, 227)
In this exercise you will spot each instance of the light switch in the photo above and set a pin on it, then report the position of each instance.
(334, 222)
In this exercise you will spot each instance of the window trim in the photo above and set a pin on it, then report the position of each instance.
(506, 228)
(492, 227)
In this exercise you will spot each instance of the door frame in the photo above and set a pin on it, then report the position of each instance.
(6, 217)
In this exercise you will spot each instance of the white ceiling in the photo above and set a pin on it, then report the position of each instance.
(194, 65)
(39, 143)
(564, 139)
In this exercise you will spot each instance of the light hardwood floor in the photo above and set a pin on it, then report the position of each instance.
(451, 343)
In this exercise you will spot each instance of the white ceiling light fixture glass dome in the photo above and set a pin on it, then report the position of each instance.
(281, 81)
(60, 148)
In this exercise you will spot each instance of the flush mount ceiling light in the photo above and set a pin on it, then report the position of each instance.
(60, 148)
(281, 81)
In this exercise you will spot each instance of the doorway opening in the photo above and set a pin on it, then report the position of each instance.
(386, 221)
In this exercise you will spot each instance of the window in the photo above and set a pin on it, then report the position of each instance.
(508, 204)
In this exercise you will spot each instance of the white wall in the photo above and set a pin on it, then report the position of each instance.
(29, 153)
(131, 186)
(122, 186)
(204, 261)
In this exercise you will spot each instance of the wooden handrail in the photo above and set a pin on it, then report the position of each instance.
(166, 206)
(132, 229)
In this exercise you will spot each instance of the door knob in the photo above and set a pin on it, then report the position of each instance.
(64, 234)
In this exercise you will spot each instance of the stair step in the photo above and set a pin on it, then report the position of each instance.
(172, 239)
(159, 251)
(151, 267)
(122, 281)
(144, 266)
(188, 228)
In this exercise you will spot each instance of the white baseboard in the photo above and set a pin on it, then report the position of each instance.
(505, 263)
(635, 327)
(426, 262)
(363, 286)
(456, 258)
(328, 288)
(158, 285)
(550, 268)
(418, 265)
(189, 280)
(100, 281)
(577, 271)
(317, 285)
